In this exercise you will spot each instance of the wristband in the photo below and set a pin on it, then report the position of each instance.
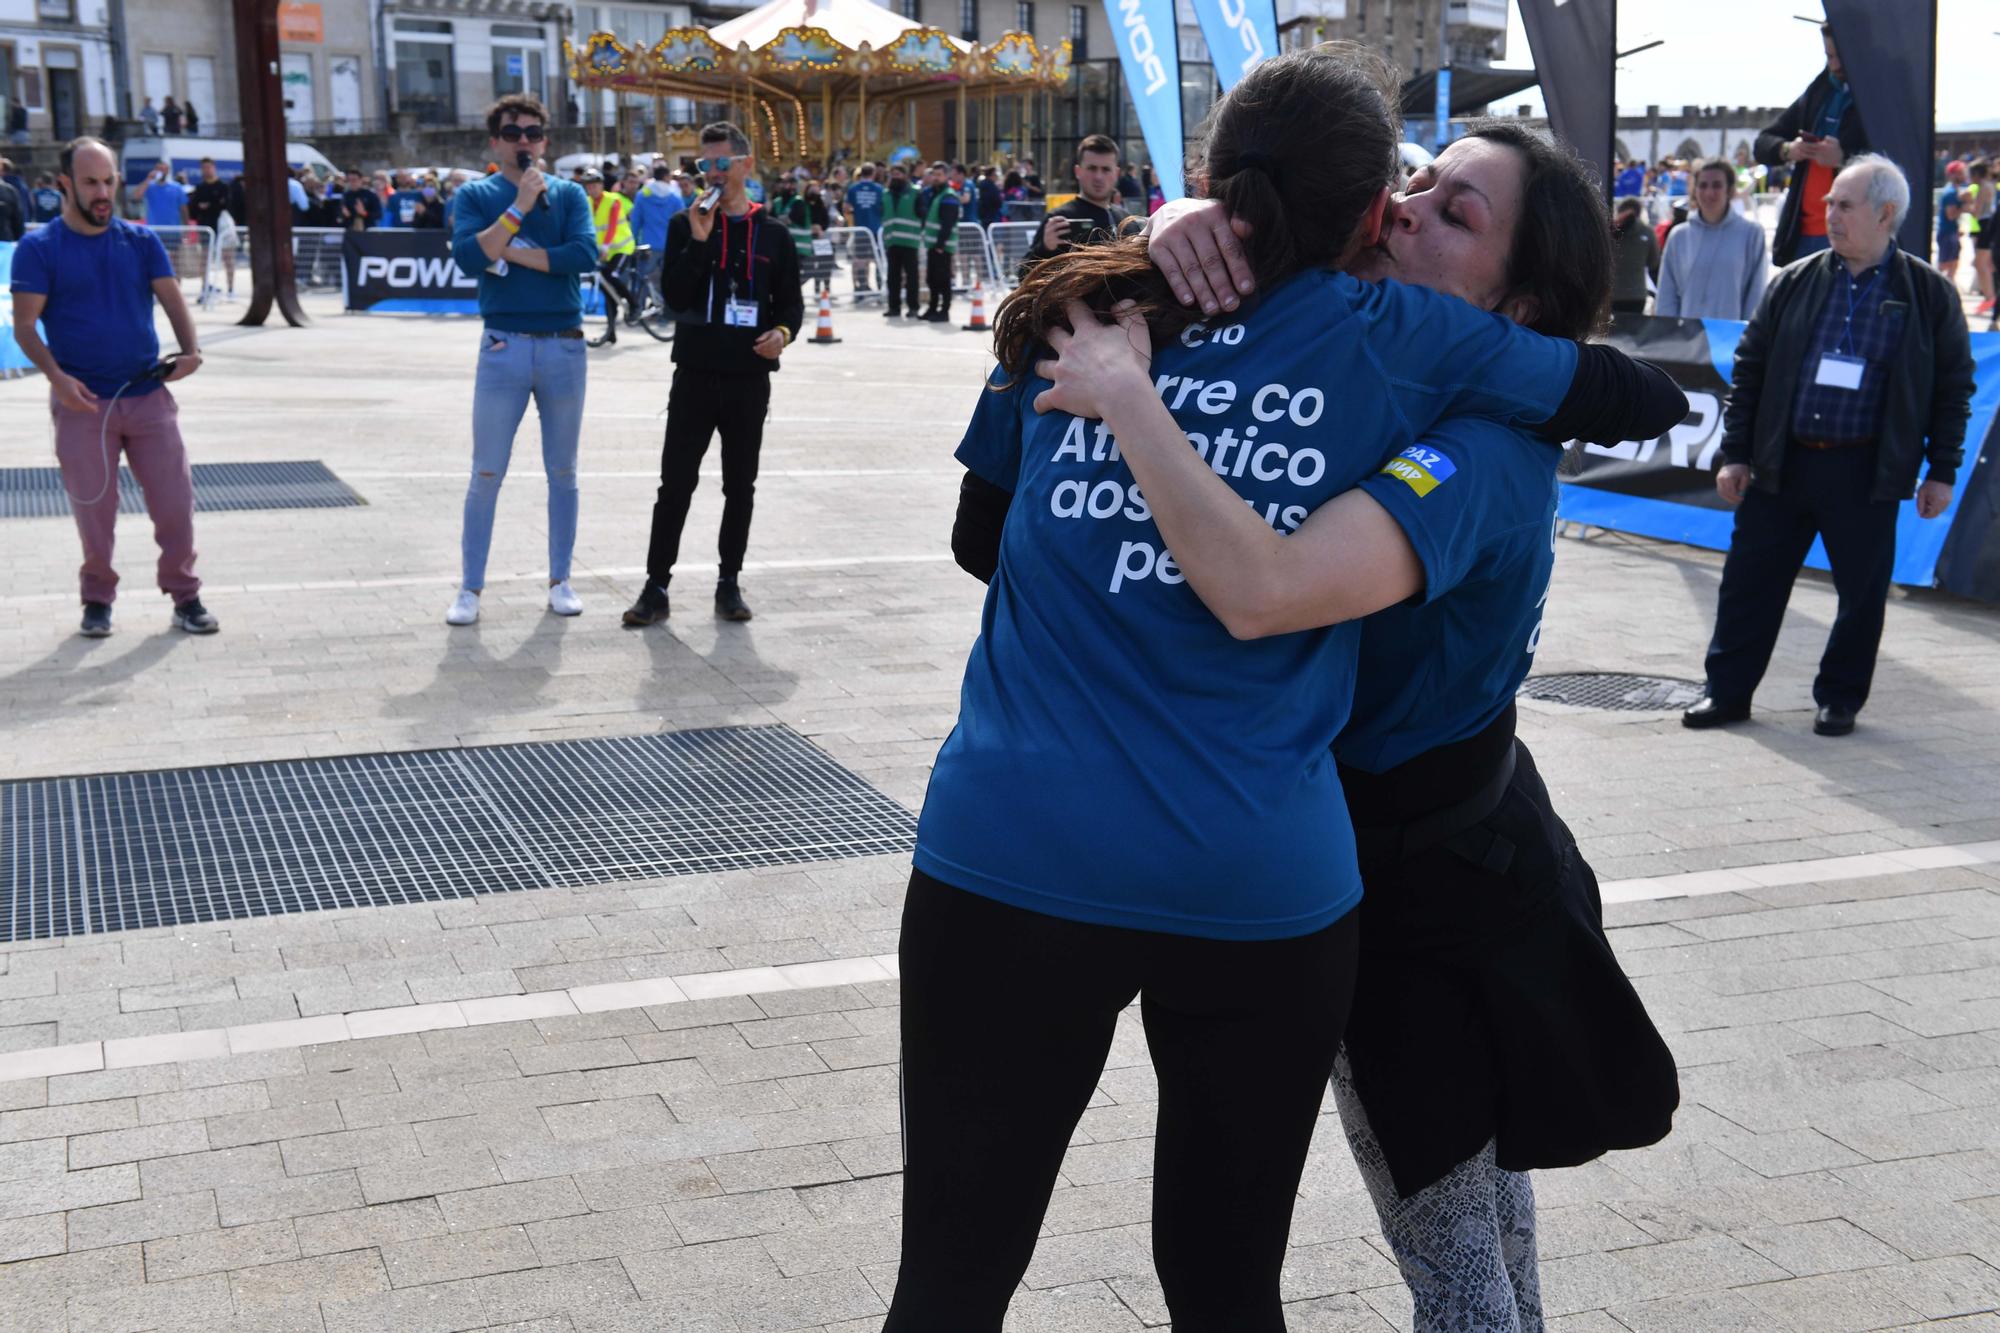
(512, 220)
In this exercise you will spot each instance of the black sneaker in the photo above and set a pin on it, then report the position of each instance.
(729, 603)
(650, 609)
(96, 620)
(892, 314)
(195, 618)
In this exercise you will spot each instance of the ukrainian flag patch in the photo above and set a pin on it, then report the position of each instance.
(1424, 469)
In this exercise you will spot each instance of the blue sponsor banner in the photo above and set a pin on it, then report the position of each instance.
(1240, 33)
(1665, 488)
(12, 359)
(1149, 51)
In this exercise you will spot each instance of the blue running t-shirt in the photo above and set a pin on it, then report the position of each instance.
(1478, 502)
(98, 322)
(1119, 758)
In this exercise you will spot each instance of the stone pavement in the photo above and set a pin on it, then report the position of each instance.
(555, 1141)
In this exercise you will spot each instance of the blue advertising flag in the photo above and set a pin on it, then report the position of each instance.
(1240, 33)
(1443, 106)
(1149, 52)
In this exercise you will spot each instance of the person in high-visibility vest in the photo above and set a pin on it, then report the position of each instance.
(940, 240)
(902, 239)
(611, 212)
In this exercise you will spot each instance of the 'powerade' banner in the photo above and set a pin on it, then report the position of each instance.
(1666, 487)
(1239, 33)
(1149, 50)
(396, 269)
(12, 359)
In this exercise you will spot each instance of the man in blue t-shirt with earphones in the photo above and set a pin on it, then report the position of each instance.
(91, 279)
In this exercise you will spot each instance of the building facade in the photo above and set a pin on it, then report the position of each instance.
(56, 61)
(187, 51)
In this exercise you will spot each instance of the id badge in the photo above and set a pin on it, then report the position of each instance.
(1840, 372)
(823, 245)
(739, 314)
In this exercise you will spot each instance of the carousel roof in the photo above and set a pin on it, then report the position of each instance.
(848, 22)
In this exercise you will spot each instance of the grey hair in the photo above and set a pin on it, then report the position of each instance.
(739, 143)
(1886, 185)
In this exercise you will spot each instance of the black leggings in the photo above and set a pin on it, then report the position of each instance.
(1007, 1019)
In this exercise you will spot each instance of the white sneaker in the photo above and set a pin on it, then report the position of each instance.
(563, 600)
(464, 609)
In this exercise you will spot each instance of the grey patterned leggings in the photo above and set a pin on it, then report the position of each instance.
(1465, 1245)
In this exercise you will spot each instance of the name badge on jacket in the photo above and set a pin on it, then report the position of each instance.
(743, 314)
(1840, 372)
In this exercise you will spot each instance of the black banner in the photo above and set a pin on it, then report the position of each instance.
(1575, 48)
(1890, 54)
(401, 269)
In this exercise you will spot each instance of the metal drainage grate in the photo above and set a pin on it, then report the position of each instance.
(1612, 690)
(37, 492)
(122, 851)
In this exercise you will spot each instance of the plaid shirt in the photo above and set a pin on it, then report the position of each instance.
(1851, 416)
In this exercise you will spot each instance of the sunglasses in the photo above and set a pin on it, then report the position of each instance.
(714, 163)
(516, 133)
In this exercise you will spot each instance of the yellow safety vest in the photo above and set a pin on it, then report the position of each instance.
(612, 213)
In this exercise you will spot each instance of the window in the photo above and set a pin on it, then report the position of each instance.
(424, 81)
(1079, 34)
(61, 11)
(1024, 15)
(909, 9)
(531, 31)
(517, 68)
(968, 20)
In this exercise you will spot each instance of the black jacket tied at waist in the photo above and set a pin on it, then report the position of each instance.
(1930, 381)
(1488, 1003)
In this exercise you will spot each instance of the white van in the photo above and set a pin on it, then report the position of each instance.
(185, 154)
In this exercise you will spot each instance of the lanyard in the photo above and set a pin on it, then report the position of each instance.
(1847, 330)
(749, 237)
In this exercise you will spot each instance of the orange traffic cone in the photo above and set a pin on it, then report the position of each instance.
(823, 330)
(978, 324)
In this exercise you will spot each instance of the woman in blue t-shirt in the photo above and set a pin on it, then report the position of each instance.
(1492, 1030)
(1136, 804)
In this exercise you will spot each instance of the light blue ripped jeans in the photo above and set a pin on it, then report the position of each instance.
(514, 367)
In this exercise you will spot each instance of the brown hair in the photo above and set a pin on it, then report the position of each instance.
(1094, 143)
(516, 105)
(1714, 164)
(1299, 150)
(1560, 261)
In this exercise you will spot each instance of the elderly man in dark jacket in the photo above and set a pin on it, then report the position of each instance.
(1816, 136)
(1854, 371)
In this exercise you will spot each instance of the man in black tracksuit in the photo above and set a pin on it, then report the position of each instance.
(731, 277)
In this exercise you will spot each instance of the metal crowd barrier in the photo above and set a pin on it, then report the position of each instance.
(1009, 243)
(975, 261)
(860, 268)
(316, 258)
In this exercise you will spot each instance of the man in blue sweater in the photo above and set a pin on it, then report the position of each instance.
(527, 238)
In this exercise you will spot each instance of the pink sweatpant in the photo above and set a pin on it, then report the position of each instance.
(146, 431)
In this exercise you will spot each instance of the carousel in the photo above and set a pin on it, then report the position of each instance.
(822, 81)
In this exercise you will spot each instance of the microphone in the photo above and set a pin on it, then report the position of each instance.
(708, 201)
(522, 161)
